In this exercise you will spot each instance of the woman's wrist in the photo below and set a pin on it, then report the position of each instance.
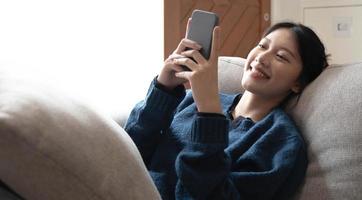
(210, 107)
(164, 83)
(202, 114)
(175, 91)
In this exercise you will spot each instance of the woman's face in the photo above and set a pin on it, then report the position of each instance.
(273, 67)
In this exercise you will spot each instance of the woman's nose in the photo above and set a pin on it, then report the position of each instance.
(262, 58)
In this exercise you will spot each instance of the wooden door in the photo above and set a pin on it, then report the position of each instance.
(242, 22)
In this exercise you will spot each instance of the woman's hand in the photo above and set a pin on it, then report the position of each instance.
(203, 77)
(167, 76)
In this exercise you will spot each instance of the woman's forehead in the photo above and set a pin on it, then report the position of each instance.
(283, 38)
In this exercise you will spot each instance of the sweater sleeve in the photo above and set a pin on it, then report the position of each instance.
(202, 166)
(151, 116)
(257, 168)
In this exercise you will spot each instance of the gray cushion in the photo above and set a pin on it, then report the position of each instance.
(54, 147)
(329, 114)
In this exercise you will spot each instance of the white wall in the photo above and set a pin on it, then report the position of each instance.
(340, 29)
(105, 52)
(324, 17)
(285, 10)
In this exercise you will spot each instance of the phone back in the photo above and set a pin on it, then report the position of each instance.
(201, 29)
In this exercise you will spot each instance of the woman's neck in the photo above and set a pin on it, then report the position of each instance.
(253, 106)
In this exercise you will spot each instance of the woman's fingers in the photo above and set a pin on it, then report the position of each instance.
(185, 61)
(184, 75)
(179, 60)
(186, 43)
(187, 27)
(215, 48)
(196, 55)
(174, 56)
(177, 68)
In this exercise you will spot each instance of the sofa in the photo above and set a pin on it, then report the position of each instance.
(53, 146)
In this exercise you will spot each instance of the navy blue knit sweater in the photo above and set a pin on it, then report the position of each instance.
(193, 155)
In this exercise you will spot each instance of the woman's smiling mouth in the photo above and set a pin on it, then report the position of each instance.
(257, 72)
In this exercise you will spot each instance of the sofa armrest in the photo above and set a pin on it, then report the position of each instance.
(55, 147)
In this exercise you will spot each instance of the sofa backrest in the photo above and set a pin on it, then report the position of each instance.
(329, 116)
(230, 73)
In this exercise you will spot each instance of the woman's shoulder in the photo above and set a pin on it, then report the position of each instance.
(280, 123)
(278, 115)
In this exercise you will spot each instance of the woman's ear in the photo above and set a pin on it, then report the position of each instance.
(297, 88)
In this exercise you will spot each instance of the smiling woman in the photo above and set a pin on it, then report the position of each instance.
(200, 144)
(90, 49)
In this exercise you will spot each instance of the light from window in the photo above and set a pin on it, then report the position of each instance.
(105, 52)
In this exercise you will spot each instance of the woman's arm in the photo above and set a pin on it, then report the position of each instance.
(151, 116)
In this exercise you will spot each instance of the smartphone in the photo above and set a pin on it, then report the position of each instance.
(201, 29)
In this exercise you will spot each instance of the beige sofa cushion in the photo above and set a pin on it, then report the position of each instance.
(329, 115)
(53, 147)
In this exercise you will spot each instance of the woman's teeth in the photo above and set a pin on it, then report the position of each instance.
(257, 73)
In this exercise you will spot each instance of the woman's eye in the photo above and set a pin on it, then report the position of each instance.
(261, 46)
(281, 57)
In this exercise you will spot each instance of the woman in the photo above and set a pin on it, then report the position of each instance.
(206, 145)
